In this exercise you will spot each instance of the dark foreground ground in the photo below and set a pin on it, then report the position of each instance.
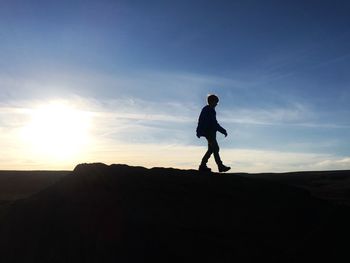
(117, 213)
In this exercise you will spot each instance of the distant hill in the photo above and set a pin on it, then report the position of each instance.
(21, 184)
(118, 213)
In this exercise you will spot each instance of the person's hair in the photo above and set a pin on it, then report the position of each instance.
(212, 99)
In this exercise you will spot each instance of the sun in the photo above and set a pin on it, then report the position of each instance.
(57, 131)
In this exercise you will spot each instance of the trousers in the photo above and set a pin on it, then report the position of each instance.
(213, 148)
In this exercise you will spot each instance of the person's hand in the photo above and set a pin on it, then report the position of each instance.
(225, 133)
(198, 136)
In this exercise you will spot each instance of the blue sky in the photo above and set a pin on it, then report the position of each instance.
(141, 71)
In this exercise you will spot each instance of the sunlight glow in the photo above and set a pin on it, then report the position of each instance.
(57, 131)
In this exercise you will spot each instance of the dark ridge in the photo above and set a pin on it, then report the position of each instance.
(119, 213)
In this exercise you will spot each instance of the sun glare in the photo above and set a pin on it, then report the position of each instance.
(58, 131)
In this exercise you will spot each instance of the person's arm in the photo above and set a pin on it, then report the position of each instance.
(221, 129)
(218, 126)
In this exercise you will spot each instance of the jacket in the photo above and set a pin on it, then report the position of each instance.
(207, 123)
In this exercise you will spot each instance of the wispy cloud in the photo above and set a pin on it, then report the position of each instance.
(297, 115)
(151, 109)
(256, 161)
(134, 132)
(153, 86)
(334, 163)
(272, 116)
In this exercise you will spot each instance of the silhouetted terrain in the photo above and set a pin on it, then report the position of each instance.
(329, 185)
(21, 184)
(118, 213)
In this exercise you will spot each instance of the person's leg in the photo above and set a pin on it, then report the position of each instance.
(215, 149)
(206, 155)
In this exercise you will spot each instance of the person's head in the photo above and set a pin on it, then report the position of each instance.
(212, 100)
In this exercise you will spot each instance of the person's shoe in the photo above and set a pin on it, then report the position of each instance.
(223, 168)
(204, 168)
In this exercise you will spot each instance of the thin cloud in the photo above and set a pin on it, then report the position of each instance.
(297, 115)
(256, 161)
(272, 116)
(145, 150)
(129, 121)
(332, 163)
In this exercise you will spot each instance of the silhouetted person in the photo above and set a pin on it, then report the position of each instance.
(207, 127)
